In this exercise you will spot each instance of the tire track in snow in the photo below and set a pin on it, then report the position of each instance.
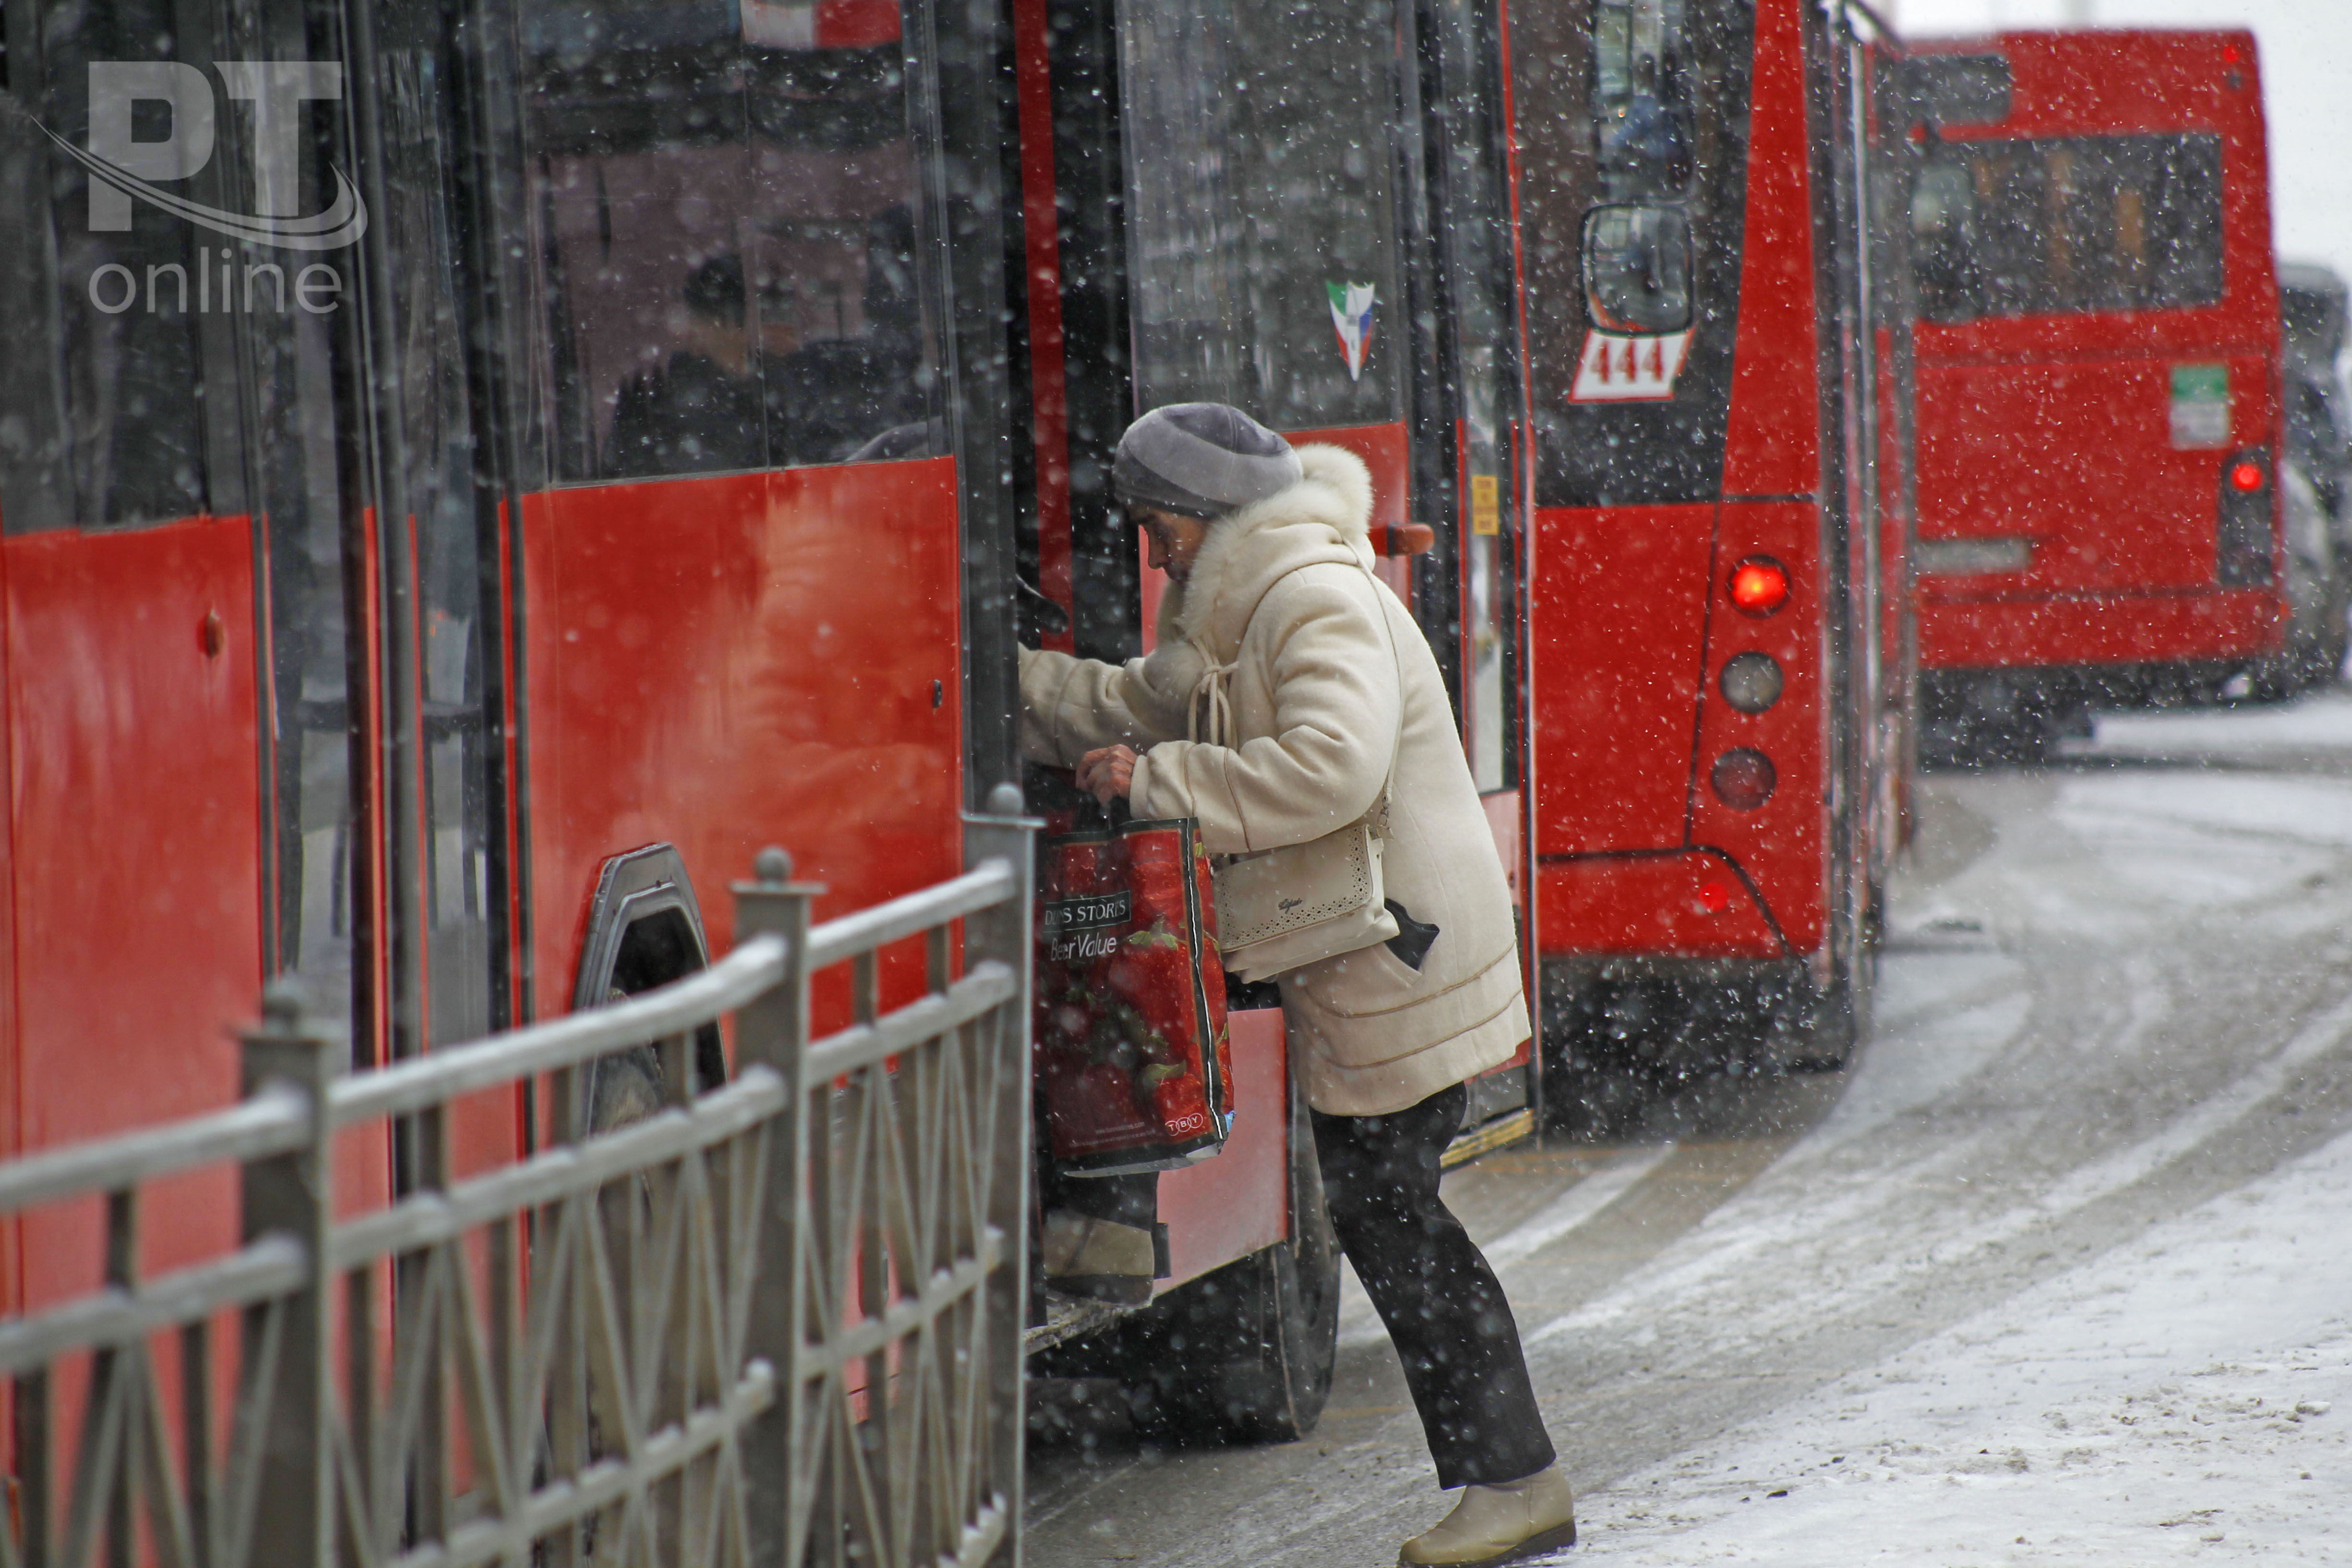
(2077, 1190)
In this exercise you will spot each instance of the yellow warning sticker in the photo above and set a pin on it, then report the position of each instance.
(1485, 504)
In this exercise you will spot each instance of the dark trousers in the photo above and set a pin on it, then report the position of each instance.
(1442, 1303)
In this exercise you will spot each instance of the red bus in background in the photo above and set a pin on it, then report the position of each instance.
(2097, 402)
(1708, 826)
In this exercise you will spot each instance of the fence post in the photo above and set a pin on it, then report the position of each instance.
(1002, 933)
(293, 1196)
(773, 1032)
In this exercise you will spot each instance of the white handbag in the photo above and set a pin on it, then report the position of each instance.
(1284, 908)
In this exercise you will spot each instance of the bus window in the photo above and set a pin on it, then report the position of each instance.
(1943, 242)
(2068, 225)
(727, 198)
(1259, 215)
(1641, 98)
(1634, 119)
(1957, 89)
(1182, 223)
(97, 425)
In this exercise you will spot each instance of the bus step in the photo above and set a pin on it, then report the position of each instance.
(1485, 1140)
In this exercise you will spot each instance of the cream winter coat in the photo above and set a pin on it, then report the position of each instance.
(1280, 600)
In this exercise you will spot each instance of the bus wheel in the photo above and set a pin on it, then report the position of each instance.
(1245, 1355)
(1823, 1028)
(1824, 1024)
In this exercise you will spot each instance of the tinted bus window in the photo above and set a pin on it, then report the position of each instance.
(1259, 221)
(1642, 96)
(98, 426)
(728, 200)
(2068, 225)
(1632, 116)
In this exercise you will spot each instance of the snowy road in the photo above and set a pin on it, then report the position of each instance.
(2059, 1271)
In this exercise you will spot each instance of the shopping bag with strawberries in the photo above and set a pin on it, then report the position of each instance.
(1131, 1054)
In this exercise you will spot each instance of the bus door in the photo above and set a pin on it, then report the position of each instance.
(1691, 610)
(2098, 398)
(1189, 240)
(1467, 446)
(758, 510)
(1864, 464)
(134, 654)
(1891, 305)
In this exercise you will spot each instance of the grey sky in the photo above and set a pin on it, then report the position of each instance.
(2307, 60)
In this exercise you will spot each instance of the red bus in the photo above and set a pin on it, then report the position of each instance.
(1709, 824)
(2099, 426)
(470, 478)
(467, 489)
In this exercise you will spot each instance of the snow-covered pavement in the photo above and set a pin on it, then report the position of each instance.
(2187, 1396)
(2064, 1256)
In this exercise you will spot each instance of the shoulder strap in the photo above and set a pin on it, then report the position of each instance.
(1380, 812)
(1210, 695)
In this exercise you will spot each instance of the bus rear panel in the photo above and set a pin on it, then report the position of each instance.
(1692, 586)
(2097, 345)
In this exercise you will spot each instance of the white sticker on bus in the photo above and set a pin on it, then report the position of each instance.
(1629, 370)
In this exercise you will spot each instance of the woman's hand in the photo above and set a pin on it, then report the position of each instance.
(1109, 773)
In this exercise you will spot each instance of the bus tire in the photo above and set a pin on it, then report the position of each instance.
(1823, 1027)
(1245, 1354)
(1825, 1023)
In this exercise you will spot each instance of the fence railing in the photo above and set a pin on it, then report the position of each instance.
(776, 1321)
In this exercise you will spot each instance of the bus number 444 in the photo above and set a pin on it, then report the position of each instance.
(1629, 370)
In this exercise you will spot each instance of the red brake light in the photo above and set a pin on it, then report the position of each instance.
(1759, 585)
(2247, 477)
(1713, 898)
(2230, 54)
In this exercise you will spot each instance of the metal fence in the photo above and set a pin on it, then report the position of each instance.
(776, 1323)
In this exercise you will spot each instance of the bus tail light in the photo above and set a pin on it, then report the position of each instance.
(1751, 682)
(2242, 550)
(1744, 779)
(1759, 585)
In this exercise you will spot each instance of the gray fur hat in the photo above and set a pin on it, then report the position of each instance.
(1202, 460)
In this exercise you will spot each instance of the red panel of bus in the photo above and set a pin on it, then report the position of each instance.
(133, 818)
(716, 663)
(1704, 718)
(2097, 351)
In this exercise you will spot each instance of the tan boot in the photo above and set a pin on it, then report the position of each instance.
(1499, 1524)
(1097, 1258)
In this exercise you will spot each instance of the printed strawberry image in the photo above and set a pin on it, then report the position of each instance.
(1154, 975)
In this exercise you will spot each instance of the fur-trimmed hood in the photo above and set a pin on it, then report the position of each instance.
(1325, 517)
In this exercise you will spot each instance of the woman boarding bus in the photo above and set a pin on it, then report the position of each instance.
(1326, 710)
